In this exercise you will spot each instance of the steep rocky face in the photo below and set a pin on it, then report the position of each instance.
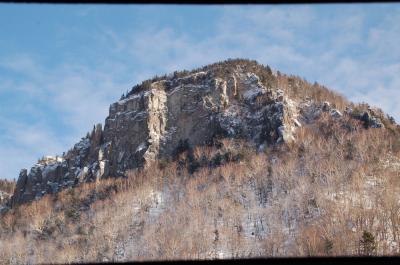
(151, 121)
(149, 125)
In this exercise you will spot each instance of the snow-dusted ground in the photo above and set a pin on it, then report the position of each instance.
(147, 211)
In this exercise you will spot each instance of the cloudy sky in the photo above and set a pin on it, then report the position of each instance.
(61, 66)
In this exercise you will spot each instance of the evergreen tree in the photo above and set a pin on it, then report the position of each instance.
(367, 244)
(328, 246)
(269, 71)
(93, 130)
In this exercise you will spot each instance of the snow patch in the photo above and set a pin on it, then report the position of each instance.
(140, 147)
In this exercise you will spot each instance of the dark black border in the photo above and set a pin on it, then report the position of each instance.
(196, 2)
(291, 261)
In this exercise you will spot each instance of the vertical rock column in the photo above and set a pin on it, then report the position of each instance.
(20, 187)
(156, 122)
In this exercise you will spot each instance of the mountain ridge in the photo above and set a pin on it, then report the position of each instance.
(236, 98)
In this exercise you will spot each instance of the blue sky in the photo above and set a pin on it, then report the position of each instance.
(61, 66)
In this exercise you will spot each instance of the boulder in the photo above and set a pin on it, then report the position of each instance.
(369, 120)
(335, 113)
(326, 106)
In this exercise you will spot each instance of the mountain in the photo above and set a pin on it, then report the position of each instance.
(236, 99)
(229, 160)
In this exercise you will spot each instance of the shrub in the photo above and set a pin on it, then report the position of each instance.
(367, 244)
(328, 246)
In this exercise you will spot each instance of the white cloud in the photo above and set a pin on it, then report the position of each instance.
(75, 95)
(269, 22)
(384, 38)
(20, 63)
(23, 143)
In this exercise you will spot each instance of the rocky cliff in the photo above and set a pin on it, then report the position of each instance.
(236, 98)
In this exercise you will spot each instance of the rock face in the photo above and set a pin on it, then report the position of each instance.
(149, 124)
(151, 121)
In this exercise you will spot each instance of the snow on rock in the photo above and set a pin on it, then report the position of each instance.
(141, 147)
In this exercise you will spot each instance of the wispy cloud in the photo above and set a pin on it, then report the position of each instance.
(24, 143)
(56, 107)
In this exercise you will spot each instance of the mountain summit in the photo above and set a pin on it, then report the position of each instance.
(235, 99)
(231, 160)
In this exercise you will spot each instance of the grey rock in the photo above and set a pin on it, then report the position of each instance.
(20, 186)
(369, 120)
(335, 113)
(376, 123)
(348, 110)
(150, 123)
(3, 209)
(326, 106)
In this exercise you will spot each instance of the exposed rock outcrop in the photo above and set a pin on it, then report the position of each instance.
(151, 121)
(369, 120)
